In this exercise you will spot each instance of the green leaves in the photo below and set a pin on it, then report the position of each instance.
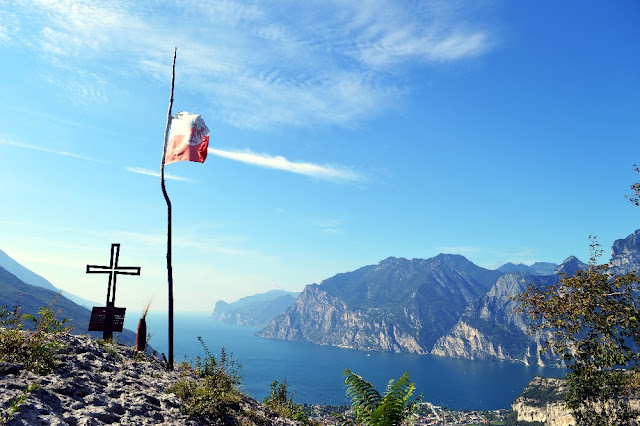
(593, 318)
(371, 408)
(36, 347)
(216, 390)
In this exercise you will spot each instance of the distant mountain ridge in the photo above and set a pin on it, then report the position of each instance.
(445, 306)
(256, 310)
(538, 268)
(30, 298)
(30, 277)
(23, 273)
(384, 306)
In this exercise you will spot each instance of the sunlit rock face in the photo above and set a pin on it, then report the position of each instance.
(543, 401)
(445, 306)
(398, 305)
(492, 329)
(625, 254)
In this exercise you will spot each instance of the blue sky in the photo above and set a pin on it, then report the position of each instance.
(341, 133)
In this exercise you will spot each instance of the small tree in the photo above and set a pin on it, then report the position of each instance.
(372, 409)
(635, 188)
(594, 319)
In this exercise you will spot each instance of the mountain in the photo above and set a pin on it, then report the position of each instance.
(625, 254)
(398, 305)
(538, 268)
(489, 329)
(23, 273)
(570, 266)
(256, 310)
(34, 279)
(31, 298)
(445, 306)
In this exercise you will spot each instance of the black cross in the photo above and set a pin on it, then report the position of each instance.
(113, 270)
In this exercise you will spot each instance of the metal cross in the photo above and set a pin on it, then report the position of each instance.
(113, 270)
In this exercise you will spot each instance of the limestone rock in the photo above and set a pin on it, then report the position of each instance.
(97, 385)
(625, 254)
(550, 410)
(398, 305)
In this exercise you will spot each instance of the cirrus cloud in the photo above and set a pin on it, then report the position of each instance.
(261, 65)
(278, 162)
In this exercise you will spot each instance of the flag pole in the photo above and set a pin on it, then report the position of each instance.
(166, 197)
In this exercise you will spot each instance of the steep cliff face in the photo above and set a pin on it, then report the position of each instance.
(445, 305)
(491, 329)
(398, 305)
(543, 401)
(625, 254)
(323, 319)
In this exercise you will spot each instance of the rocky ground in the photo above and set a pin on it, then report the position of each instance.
(97, 384)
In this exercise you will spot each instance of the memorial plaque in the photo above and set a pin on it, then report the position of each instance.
(107, 319)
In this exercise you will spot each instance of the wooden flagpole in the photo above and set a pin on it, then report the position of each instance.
(166, 197)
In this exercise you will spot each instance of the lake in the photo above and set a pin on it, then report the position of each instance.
(314, 373)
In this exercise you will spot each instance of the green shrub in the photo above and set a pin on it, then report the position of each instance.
(372, 409)
(214, 391)
(280, 402)
(35, 347)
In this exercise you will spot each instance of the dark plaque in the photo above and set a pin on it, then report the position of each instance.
(107, 319)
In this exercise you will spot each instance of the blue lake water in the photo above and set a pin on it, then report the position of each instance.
(314, 373)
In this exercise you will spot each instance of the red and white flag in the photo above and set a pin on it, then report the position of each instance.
(188, 138)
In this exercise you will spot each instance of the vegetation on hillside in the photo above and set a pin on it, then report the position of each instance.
(216, 390)
(280, 401)
(31, 340)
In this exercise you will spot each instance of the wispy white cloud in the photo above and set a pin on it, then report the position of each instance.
(154, 173)
(4, 35)
(330, 226)
(260, 64)
(52, 151)
(324, 172)
(80, 92)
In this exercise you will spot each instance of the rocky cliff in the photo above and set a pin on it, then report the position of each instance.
(321, 318)
(399, 305)
(445, 306)
(625, 254)
(97, 384)
(543, 401)
(490, 329)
